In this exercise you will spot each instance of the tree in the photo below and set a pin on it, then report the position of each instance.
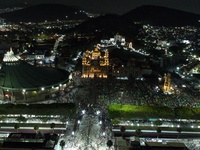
(138, 132)
(52, 126)
(16, 126)
(3, 118)
(179, 130)
(21, 119)
(158, 122)
(122, 129)
(44, 119)
(39, 135)
(62, 144)
(158, 132)
(115, 121)
(109, 143)
(63, 119)
(36, 128)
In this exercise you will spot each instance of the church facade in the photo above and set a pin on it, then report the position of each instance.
(95, 64)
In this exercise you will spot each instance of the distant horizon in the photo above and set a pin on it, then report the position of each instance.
(112, 6)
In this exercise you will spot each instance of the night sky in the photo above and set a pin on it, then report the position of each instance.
(117, 6)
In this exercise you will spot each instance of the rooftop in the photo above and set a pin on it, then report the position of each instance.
(16, 74)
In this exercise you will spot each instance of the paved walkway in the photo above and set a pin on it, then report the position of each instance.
(88, 136)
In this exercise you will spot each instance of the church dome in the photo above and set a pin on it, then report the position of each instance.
(16, 74)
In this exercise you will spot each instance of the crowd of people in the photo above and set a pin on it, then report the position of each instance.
(137, 92)
(101, 92)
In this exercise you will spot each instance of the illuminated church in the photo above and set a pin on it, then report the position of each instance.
(21, 82)
(95, 64)
(167, 87)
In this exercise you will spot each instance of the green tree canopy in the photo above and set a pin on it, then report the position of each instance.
(16, 126)
(36, 128)
(109, 143)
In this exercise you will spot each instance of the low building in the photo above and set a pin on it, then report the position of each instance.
(135, 141)
(133, 69)
(26, 141)
(164, 146)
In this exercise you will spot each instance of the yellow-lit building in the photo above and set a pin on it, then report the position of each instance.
(95, 64)
(167, 83)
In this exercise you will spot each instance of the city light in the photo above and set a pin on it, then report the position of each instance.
(98, 112)
(83, 112)
(120, 82)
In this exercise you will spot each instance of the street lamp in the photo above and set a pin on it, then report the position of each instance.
(100, 122)
(83, 111)
(104, 133)
(98, 112)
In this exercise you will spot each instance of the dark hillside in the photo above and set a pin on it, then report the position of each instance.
(40, 13)
(162, 16)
